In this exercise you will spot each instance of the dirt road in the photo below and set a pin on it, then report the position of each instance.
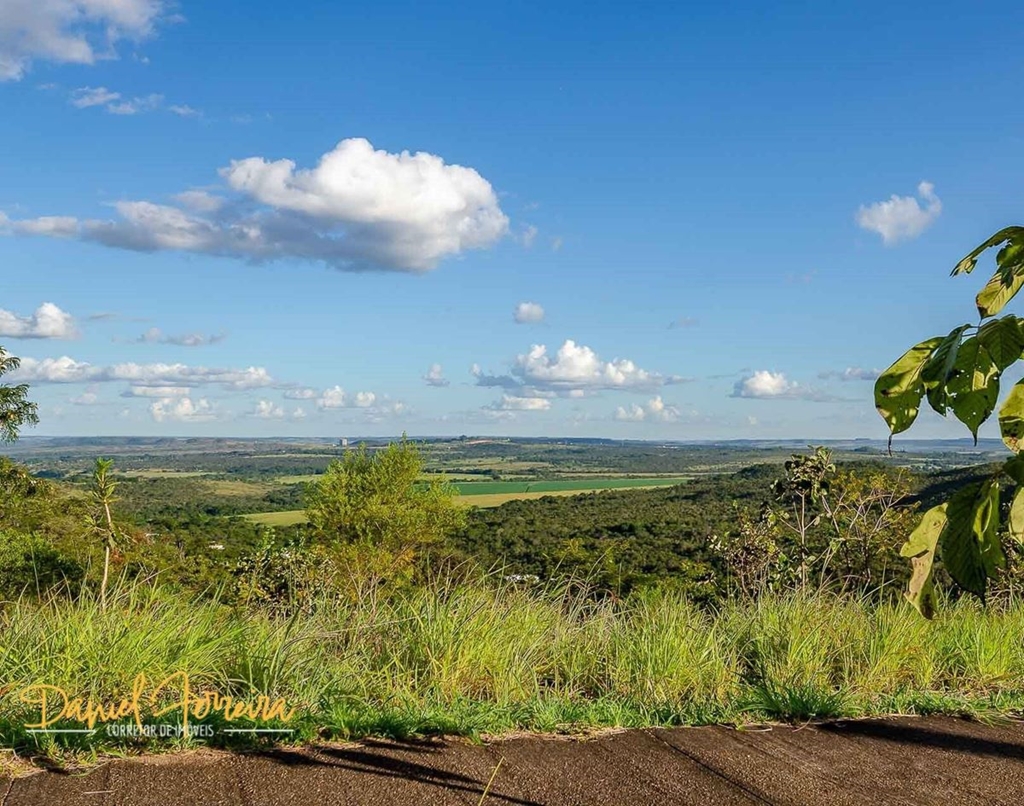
(903, 761)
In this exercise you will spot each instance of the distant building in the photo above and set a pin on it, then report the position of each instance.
(343, 442)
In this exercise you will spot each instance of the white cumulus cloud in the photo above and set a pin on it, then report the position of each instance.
(70, 31)
(576, 366)
(182, 410)
(655, 410)
(511, 403)
(528, 312)
(435, 376)
(359, 208)
(67, 370)
(47, 322)
(338, 398)
(766, 385)
(901, 218)
(267, 410)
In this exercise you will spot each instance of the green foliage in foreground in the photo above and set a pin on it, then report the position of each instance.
(960, 372)
(469, 658)
(15, 408)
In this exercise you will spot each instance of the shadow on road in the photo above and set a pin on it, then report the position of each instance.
(384, 764)
(928, 737)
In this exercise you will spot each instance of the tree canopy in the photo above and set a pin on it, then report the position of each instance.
(15, 408)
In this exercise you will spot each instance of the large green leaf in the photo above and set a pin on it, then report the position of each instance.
(1015, 524)
(937, 369)
(1003, 285)
(898, 390)
(985, 528)
(961, 549)
(1011, 418)
(920, 548)
(973, 385)
(966, 266)
(1004, 340)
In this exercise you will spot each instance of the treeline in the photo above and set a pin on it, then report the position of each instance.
(619, 539)
(143, 499)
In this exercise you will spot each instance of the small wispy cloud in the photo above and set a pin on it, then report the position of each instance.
(156, 336)
(117, 104)
(851, 374)
(804, 278)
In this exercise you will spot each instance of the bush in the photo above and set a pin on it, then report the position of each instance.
(29, 563)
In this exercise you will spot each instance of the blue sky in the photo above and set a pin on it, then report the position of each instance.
(326, 219)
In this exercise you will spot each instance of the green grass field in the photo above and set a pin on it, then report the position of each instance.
(158, 473)
(288, 517)
(467, 488)
(491, 657)
(496, 493)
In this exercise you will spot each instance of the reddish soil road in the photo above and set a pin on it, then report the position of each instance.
(900, 761)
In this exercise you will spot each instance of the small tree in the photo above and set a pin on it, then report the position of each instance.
(960, 372)
(798, 496)
(752, 555)
(870, 514)
(373, 510)
(15, 409)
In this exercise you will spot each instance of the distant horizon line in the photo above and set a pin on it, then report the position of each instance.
(501, 437)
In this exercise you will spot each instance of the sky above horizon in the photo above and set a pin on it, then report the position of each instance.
(522, 219)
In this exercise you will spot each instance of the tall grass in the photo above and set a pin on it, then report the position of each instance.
(460, 657)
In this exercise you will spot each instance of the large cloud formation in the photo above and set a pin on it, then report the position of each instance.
(358, 209)
(69, 31)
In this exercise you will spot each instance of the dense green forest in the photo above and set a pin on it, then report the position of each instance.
(183, 525)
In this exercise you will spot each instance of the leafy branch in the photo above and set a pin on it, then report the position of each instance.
(960, 372)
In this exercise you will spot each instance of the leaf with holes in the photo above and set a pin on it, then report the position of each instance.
(898, 390)
(1005, 283)
(937, 369)
(1011, 421)
(920, 548)
(966, 266)
(1003, 339)
(973, 386)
